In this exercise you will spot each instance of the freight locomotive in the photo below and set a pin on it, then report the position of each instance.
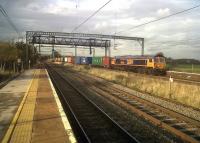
(149, 64)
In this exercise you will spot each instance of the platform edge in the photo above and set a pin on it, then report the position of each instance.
(11, 127)
(64, 118)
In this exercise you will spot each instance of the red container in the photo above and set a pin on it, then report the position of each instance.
(69, 59)
(106, 61)
(72, 60)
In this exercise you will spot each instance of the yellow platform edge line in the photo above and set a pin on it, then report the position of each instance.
(64, 118)
(17, 114)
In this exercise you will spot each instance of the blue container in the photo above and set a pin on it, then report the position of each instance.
(78, 60)
(89, 60)
(86, 60)
(83, 60)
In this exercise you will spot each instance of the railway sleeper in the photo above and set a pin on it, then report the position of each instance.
(145, 110)
(159, 116)
(141, 107)
(191, 133)
(179, 125)
(135, 103)
(169, 120)
(197, 137)
(132, 101)
(185, 130)
(150, 112)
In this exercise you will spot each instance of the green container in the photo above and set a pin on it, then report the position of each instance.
(97, 60)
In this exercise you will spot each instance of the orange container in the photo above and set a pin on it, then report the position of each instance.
(69, 59)
(113, 60)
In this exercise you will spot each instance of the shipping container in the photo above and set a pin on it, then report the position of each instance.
(65, 59)
(77, 60)
(106, 61)
(97, 61)
(86, 60)
(113, 60)
(89, 60)
(69, 59)
(72, 60)
(83, 60)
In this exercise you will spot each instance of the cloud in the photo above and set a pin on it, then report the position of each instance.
(171, 35)
(163, 12)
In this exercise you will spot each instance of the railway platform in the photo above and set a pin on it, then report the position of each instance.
(30, 111)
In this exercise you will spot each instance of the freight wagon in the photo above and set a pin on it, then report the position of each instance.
(141, 64)
(101, 61)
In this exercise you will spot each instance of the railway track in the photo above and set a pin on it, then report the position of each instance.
(177, 77)
(4, 83)
(184, 127)
(89, 122)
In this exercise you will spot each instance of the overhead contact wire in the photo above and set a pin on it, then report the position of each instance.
(93, 14)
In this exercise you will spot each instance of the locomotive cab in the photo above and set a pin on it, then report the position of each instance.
(160, 64)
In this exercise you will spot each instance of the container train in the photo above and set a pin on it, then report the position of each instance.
(149, 64)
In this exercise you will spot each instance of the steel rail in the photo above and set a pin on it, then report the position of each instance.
(128, 135)
(80, 134)
(151, 118)
(156, 105)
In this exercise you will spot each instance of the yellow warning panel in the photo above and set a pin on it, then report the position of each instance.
(20, 128)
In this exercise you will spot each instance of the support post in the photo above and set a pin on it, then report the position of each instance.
(39, 44)
(106, 49)
(75, 51)
(22, 66)
(53, 48)
(27, 51)
(29, 64)
(93, 52)
(90, 50)
(170, 87)
(53, 52)
(142, 47)
(90, 47)
(109, 51)
(75, 54)
(192, 68)
(14, 67)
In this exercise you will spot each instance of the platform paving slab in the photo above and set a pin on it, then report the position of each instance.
(40, 119)
(47, 126)
(10, 98)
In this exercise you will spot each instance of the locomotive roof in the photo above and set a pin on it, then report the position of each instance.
(135, 56)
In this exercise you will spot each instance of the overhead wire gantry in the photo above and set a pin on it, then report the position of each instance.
(77, 39)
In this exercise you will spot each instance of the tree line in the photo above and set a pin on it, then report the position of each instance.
(13, 56)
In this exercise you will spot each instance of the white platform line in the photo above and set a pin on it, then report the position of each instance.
(63, 115)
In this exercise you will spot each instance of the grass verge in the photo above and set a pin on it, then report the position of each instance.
(180, 92)
(186, 68)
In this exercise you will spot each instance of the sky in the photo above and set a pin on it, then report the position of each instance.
(176, 37)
